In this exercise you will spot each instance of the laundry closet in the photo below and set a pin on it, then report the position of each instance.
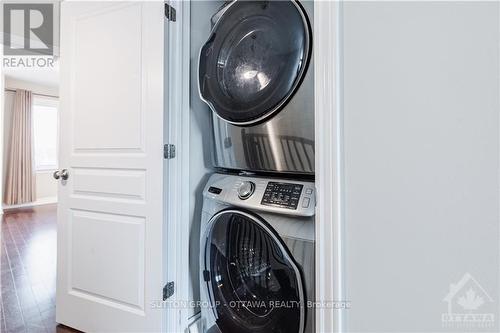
(251, 167)
(188, 133)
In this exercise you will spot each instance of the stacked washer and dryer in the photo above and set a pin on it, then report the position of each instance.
(257, 228)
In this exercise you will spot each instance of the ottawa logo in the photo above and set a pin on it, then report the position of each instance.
(468, 305)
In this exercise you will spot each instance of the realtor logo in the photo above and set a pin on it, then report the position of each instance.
(28, 29)
(467, 301)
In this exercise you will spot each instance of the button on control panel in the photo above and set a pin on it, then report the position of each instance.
(285, 195)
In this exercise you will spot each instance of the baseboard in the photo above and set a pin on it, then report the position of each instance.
(38, 202)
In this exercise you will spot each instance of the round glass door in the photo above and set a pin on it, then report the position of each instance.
(254, 60)
(252, 281)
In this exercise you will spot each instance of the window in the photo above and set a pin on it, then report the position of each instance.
(45, 128)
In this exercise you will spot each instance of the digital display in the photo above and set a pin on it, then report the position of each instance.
(285, 195)
(214, 190)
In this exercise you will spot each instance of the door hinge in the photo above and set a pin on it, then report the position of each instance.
(206, 275)
(168, 151)
(168, 290)
(170, 13)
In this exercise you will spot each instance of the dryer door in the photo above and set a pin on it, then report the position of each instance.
(254, 60)
(252, 281)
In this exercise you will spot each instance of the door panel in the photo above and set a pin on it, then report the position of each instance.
(121, 184)
(110, 212)
(124, 279)
(114, 54)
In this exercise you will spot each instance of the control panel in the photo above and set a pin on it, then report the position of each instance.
(280, 196)
(284, 195)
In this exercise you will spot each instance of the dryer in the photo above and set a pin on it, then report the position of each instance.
(255, 73)
(257, 255)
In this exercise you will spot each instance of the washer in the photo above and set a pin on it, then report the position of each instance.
(257, 255)
(256, 75)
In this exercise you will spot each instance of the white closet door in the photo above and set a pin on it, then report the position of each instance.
(110, 212)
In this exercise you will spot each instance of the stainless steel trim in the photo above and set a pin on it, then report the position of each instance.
(290, 92)
(271, 233)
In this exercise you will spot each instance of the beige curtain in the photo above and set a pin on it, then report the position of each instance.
(20, 183)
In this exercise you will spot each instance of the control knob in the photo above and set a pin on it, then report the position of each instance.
(246, 190)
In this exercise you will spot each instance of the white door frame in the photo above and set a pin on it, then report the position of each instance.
(329, 161)
(330, 285)
(177, 196)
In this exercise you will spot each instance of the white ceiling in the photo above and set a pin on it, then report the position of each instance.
(45, 77)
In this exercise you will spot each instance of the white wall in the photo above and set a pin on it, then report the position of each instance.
(421, 126)
(38, 88)
(46, 187)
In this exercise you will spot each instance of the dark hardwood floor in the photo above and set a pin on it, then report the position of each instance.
(28, 271)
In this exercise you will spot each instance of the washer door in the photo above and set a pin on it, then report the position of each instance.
(254, 60)
(252, 281)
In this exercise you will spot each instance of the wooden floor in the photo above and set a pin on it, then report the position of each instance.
(28, 271)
